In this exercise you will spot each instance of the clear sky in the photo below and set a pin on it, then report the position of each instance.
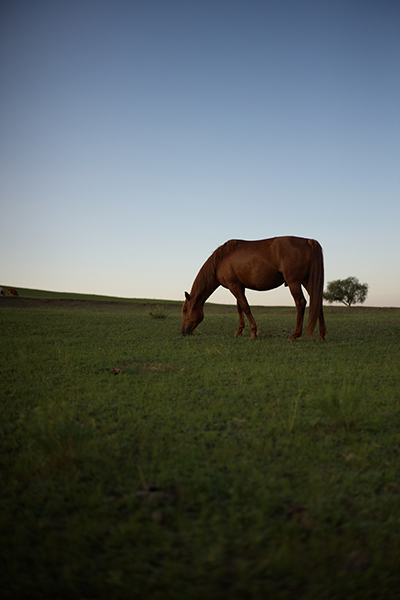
(136, 136)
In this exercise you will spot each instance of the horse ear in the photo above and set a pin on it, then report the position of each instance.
(187, 296)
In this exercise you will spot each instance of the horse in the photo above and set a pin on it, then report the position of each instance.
(12, 292)
(2, 292)
(261, 265)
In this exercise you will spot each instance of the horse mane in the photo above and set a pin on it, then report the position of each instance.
(206, 276)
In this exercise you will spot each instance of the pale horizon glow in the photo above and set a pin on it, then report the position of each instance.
(139, 136)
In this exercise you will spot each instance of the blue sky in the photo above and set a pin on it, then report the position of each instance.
(137, 136)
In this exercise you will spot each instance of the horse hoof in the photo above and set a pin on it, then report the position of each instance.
(293, 337)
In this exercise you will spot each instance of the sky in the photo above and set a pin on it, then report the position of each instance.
(139, 135)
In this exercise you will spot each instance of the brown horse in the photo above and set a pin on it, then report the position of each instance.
(12, 292)
(261, 265)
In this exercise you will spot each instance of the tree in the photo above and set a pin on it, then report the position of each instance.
(348, 291)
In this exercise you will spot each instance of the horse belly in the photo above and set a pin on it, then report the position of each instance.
(253, 272)
(262, 279)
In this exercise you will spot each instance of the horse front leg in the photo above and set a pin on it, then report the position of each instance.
(300, 301)
(243, 307)
(242, 325)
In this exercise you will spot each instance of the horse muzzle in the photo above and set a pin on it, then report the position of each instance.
(187, 331)
(188, 328)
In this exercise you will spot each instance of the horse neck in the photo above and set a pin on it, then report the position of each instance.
(205, 283)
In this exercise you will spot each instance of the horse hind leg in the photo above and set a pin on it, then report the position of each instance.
(322, 327)
(300, 301)
(321, 319)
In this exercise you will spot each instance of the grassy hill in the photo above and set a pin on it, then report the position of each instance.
(135, 462)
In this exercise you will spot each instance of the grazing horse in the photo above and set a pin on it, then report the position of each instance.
(12, 292)
(2, 292)
(261, 265)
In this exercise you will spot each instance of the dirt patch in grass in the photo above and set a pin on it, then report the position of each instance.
(140, 367)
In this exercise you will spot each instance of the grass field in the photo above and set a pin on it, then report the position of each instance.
(138, 463)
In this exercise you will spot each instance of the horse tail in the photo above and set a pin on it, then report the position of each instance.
(315, 288)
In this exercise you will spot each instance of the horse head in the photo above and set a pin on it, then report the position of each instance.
(192, 315)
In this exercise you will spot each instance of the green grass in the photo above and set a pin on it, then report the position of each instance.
(138, 463)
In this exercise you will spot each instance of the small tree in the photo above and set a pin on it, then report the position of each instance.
(348, 291)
